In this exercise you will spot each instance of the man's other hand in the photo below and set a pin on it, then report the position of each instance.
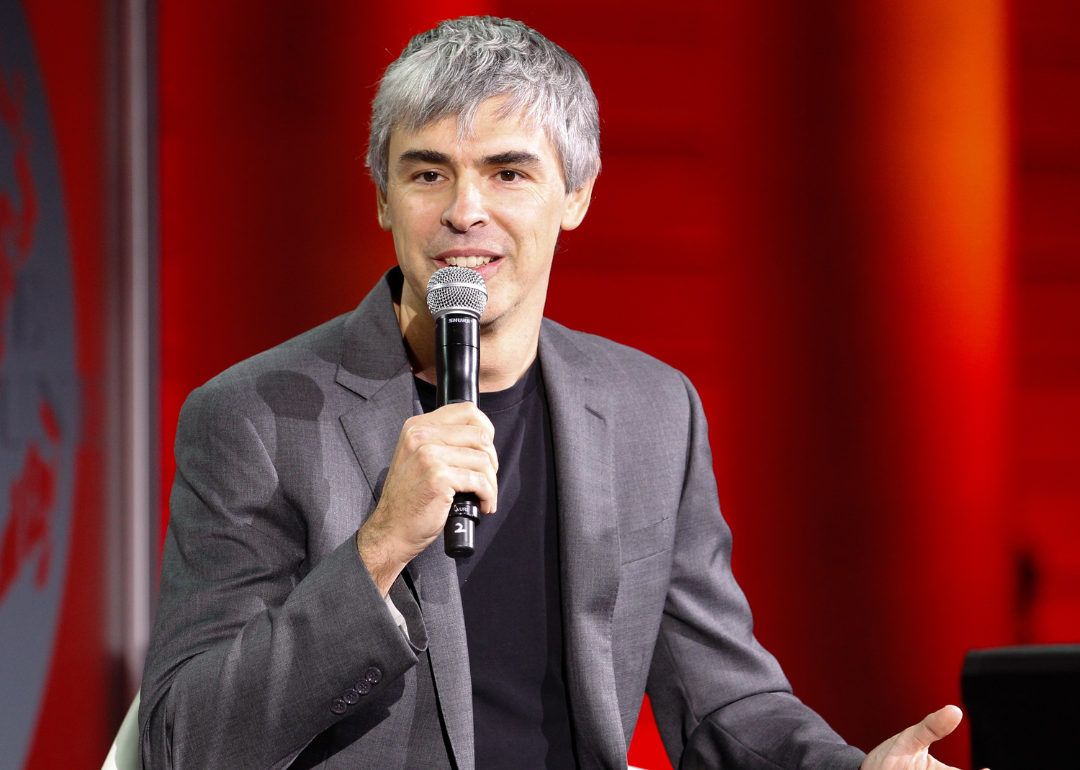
(910, 750)
(446, 451)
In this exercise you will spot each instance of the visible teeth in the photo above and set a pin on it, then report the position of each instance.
(469, 261)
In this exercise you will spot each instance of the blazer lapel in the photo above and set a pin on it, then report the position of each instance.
(434, 576)
(374, 365)
(374, 425)
(589, 543)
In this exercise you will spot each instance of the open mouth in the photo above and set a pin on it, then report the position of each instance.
(470, 261)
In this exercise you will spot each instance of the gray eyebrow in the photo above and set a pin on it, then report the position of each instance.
(424, 156)
(508, 158)
(512, 158)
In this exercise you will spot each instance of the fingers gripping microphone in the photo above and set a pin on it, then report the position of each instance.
(456, 297)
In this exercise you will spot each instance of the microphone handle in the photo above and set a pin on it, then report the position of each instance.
(457, 374)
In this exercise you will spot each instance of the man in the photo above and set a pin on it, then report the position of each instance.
(308, 614)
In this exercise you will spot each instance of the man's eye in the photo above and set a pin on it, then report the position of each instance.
(506, 175)
(429, 176)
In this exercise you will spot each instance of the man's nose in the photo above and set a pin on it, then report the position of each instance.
(465, 209)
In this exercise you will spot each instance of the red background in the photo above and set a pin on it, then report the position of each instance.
(80, 706)
(860, 216)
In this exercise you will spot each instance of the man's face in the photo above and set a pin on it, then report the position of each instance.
(494, 201)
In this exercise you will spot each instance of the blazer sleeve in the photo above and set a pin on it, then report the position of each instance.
(719, 698)
(255, 651)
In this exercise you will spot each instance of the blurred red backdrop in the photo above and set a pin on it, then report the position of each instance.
(821, 194)
(71, 48)
(1045, 468)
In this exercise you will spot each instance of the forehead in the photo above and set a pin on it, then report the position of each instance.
(489, 133)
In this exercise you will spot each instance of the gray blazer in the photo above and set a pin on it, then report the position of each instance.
(268, 622)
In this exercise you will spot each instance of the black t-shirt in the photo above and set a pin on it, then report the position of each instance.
(510, 592)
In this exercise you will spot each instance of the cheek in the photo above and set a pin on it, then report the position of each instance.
(536, 220)
(414, 223)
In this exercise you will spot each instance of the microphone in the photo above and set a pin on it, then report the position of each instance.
(456, 297)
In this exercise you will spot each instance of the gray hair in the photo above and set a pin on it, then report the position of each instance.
(452, 69)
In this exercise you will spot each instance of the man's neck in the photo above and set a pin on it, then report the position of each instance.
(507, 350)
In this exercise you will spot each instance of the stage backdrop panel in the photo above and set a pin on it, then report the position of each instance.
(57, 696)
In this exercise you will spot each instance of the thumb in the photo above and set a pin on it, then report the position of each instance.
(935, 727)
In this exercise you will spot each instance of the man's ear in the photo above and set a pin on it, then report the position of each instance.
(383, 209)
(577, 204)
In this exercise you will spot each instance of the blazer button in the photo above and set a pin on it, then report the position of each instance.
(338, 706)
(351, 696)
(374, 675)
(363, 687)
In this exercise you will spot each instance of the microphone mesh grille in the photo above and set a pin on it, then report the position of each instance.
(456, 289)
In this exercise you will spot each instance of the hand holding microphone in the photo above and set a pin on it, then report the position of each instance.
(456, 297)
(442, 452)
